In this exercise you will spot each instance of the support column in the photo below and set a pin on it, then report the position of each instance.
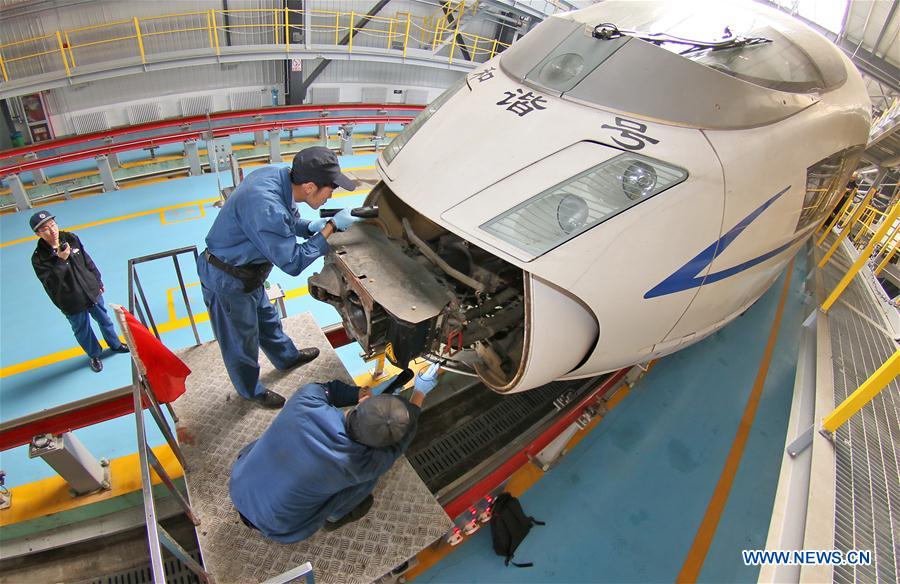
(346, 134)
(192, 153)
(37, 175)
(113, 157)
(235, 170)
(72, 461)
(259, 137)
(323, 130)
(274, 146)
(18, 191)
(307, 27)
(106, 174)
(379, 128)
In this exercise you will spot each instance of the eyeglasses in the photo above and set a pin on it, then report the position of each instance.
(45, 228)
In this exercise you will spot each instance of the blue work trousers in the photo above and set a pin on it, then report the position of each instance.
(81, 326)
(244, 322)
(350, 497)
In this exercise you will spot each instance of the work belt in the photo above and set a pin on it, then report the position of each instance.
(251, 276)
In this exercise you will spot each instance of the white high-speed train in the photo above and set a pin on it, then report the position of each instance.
(623, 181)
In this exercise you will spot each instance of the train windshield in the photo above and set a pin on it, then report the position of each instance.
(763, 56)
(769, 52)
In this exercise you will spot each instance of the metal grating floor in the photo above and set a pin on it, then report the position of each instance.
(867, 447)
(176, 573)
(215, 424)
(445, 449)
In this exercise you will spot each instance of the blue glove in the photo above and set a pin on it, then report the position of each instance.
(344, 220)
(427, 379)
(317, 225)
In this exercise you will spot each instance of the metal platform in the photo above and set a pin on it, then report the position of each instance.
(867, 447)
(214, 424)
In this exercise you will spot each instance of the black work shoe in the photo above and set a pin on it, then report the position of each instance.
(269, 400)
(306, 355)
(123, 348)
(355, 514)
(96, 365)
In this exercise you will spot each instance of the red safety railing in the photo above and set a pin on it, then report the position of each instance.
(98, 408)
(197, 134)
(180, 122)
(194, 135)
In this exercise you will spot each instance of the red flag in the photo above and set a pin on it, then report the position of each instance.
(165, 371)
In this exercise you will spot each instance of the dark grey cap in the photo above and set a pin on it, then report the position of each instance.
(320, 166)
(39, 219)
(379, 421)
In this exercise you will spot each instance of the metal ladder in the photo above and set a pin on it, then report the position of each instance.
(157, 536)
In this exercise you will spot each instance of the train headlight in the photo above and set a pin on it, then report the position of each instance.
(562, 212)
(558, 71)
(400, 141)
(572, 213)
(638, 180)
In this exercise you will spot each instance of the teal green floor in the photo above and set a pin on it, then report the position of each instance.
(31, 327)
(625, 504)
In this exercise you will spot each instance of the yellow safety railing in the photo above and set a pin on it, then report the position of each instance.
(848, 227)
(864, 394)
(883, 229)
(887, 225)
(155, 35)
(888, 249)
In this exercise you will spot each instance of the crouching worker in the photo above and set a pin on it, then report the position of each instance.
(317, 465)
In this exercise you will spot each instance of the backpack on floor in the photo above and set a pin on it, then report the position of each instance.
(509, 526)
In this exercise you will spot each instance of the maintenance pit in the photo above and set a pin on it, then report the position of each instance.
(213, 427)
(465, 432)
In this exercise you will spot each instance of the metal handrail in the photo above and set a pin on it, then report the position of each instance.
(98, 408)
(157, 536)
(886, 231)
(304, 571)
(864, 394)
(66, 417)
(196, 135)
(214, 23)
(185, 123)
(882, 228)
(136, 291)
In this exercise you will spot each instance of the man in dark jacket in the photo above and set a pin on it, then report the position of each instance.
(73, 283)
(316, 465)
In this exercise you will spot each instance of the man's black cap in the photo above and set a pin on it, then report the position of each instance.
(380, 421)
(320, 166)
(39, 219)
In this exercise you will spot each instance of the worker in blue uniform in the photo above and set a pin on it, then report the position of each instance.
(257, 227)
(316, 465)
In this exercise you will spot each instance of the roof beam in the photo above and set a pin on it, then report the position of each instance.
(887, 23)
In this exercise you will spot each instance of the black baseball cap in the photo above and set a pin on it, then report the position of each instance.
(320, 166)
(380, 421)
(39, 219)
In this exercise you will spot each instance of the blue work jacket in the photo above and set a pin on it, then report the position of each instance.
(305, 465)
(260, 223)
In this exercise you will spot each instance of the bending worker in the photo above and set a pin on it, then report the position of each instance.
(316, 465)
(257, 227)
